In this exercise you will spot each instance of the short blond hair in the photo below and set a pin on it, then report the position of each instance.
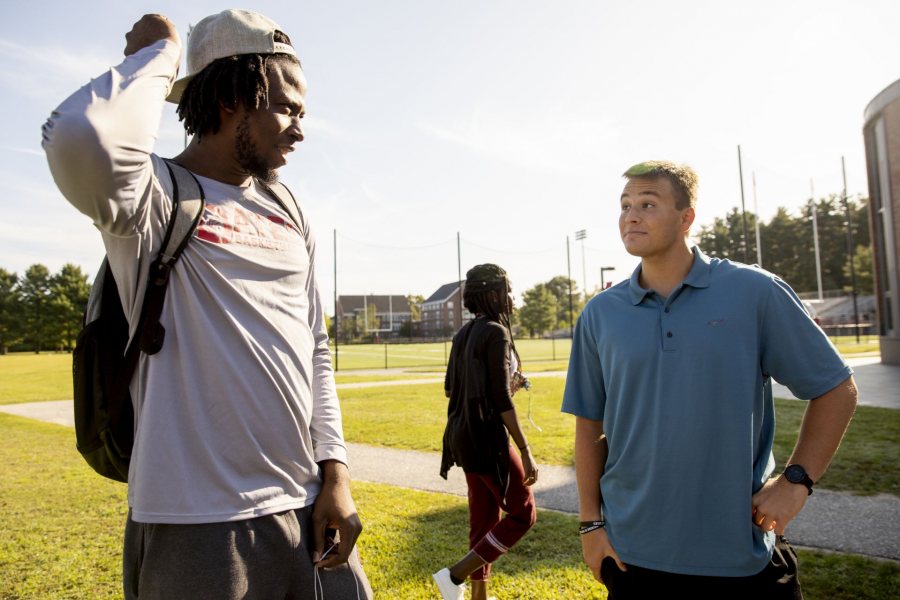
(684, 179)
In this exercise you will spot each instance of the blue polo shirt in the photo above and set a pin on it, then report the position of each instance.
(682, 385)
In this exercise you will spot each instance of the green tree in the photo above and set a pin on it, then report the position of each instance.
(415, 307)
(788, 245)
(559, 287)
(348, 329)
(725, 237)
(862, 264)
(538, 312)
(34, 290)
(785, 239)
(371, 321)
(410, 327)
(69, 291)
(10, 310)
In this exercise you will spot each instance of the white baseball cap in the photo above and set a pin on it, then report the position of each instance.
(230, 33)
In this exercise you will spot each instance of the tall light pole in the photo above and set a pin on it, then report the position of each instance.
(743, 208)
(571, 311)
(581, 234)
(337, 317)
(602, 271)
(815, 220)
(850, 252)
(459, 281)
(756, 210)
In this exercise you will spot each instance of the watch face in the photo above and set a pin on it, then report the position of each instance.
(795, 474)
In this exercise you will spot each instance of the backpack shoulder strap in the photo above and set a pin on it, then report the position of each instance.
(187, 207)
(288, 202)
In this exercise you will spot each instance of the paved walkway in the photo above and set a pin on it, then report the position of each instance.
(868, 525)
(830, 520)
(879, 384)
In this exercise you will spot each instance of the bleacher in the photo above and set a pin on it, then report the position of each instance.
(835, 315)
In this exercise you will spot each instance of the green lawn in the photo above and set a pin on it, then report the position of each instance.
(62, 528)
(381, 416)
(340, 378)
(28, 377)
(434, 354)
(867, 462)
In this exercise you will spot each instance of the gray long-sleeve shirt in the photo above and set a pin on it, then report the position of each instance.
(235, 412)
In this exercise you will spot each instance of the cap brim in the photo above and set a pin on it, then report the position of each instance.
(178, 89)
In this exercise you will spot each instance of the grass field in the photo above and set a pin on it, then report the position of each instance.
(867, 462)
(28, 377)
(62, 527)
(434, 354)
(31, 377)
(380, 356)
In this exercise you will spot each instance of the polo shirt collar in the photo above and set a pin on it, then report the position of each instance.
(697, 277)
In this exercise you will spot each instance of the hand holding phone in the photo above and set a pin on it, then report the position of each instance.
(332, 544)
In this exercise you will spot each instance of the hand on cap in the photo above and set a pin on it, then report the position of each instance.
(148, 30)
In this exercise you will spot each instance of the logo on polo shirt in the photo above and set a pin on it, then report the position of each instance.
(716, 322)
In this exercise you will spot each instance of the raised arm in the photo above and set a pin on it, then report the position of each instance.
(99, 140)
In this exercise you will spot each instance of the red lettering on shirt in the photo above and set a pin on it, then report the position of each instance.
(234, 224)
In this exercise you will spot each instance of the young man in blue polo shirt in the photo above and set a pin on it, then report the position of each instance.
(670, 383)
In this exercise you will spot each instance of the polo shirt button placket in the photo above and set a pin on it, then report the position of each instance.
(668, 342)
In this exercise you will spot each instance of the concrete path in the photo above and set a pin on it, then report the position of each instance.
(879, 384)
(830, 520)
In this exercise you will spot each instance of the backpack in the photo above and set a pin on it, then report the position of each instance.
(104, 361)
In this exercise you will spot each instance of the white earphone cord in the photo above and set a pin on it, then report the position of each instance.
(317, 584)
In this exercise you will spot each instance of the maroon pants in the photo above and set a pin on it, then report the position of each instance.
(490, 533)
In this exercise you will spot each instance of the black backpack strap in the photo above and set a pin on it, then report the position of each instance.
(187, 206)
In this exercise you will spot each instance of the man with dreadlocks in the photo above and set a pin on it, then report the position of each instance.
(483, 373)
(239, 463)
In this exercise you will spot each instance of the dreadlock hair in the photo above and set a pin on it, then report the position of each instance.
(228, 81)
(486, 292)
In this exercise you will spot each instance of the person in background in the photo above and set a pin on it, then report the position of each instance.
(483, 373)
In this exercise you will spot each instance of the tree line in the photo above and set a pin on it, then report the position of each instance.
(788, 250)
(42, 311)
(788, 247)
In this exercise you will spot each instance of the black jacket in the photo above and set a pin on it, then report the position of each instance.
(477, 383)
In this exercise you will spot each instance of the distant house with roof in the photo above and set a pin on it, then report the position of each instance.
(391, 311)
(443, 312)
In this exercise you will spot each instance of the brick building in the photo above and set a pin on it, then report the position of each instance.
(882, 138)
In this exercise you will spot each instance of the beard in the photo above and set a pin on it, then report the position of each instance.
(248, 155)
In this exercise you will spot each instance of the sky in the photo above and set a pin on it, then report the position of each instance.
(440, 135)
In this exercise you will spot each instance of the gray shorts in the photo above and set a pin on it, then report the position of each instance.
(266, 558)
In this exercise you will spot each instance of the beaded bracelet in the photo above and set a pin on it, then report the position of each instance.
(589, 526)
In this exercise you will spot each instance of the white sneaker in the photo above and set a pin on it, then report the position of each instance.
(448, 589)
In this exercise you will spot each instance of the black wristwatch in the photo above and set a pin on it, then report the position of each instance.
(797, 474)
